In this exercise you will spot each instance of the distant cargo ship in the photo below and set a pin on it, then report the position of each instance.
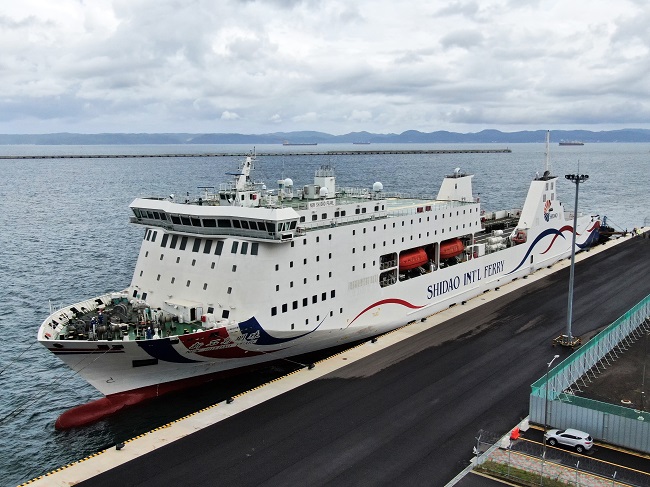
(361, 143)
(286, 142)
(571, 142)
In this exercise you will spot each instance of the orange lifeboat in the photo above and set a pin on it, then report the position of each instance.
(519, 237)
(412, 259)
(451, 248)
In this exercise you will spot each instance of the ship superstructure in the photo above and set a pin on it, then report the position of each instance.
(244, 275)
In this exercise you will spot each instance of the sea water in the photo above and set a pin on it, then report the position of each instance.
(65, 237)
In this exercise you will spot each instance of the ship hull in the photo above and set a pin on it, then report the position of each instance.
(117, 367)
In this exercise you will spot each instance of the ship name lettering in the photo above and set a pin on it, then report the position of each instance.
(316, 204)
(472, 276)
(442, 287)
(493, 269)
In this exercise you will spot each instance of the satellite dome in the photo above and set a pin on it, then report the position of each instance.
(288, 182)
(377, 187)
(323, 192)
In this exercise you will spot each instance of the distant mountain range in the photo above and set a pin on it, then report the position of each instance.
(410, 136)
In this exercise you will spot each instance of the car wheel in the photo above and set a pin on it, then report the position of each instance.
(552, 442)
(579, 449)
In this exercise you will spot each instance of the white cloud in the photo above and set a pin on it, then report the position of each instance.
(335, 66)
(229, 116)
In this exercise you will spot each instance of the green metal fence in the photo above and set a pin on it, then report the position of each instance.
(553, 399)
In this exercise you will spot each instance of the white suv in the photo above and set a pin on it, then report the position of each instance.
(577, 439)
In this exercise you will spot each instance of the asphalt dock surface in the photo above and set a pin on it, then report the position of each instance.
(409, 414)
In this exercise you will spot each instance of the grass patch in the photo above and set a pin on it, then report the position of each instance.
(517, 475)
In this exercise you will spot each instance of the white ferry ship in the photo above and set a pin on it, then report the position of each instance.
(246, 275)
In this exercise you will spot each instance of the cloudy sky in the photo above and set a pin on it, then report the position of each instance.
(260, 66)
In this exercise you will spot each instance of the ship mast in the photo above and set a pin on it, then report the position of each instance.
(547, 169)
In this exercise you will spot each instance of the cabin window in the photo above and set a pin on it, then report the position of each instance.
(234, 268)
(223, 223)
(183, 243)
(172, 245)
(332, 293)
(314, 218)
(229, 291)
(357, 211)
(196, 222)
(314, 299)
(209, 222)
(244, 224)
(146, 254)
(294, 305)
(277, 287)
(274, 311)
(342, 212)
(176, 219)
(284, 308)
(254, 247)
(193, 262)
(235, 246)
(323, 296)
(173, 280)
(158, 278)
(324, 216)
(185, 220)
(161, 256)
(212, 265)
(188, 283)
(207, 247)
(153, 236)
(305, 302)
(244, 248)
(205, 286)
(197, 245)
(163, 242)
(156, 215)
(236, 223)
(218, 248)
(270, 227)
(302, 219)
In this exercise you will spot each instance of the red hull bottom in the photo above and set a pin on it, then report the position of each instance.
(99, 409)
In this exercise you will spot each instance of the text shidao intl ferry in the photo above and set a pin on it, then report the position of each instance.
(249, 275)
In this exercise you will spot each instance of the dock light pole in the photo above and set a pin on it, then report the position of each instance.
(568, 339)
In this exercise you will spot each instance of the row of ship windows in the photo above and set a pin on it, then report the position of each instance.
(317, 318)
(304, 280)
(182, 242)
(187, 284)
(264, 226)
(338, 213)
(305, 302)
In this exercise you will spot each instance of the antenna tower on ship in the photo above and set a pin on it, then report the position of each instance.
(547, 169)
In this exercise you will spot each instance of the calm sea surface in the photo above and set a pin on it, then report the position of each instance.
(65, 237)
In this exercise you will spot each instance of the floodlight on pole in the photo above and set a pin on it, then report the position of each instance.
(568, 339)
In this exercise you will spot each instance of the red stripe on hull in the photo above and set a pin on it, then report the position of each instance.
(99, 409)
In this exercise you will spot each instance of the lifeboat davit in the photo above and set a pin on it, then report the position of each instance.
(412, 259)
(451, 248)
